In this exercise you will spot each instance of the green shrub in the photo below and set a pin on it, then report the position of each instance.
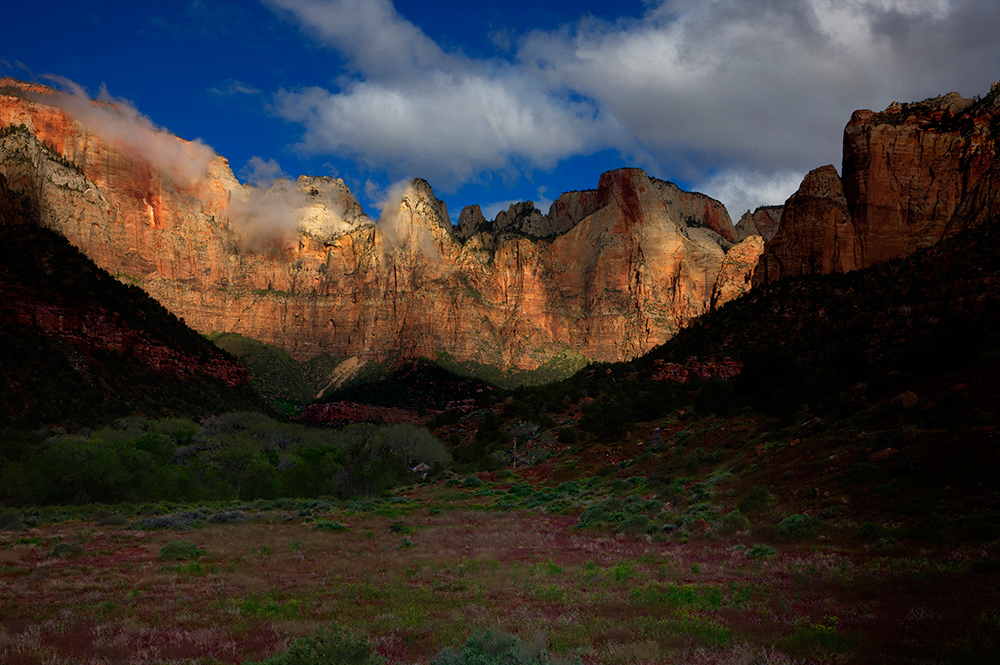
(472, 481)
(623, 571)
(886, 543)
(798, 527)
(871, 531)
(333, 647)
(813, 638)
(635, 525)
(327, 525)
(522, 489)
(592, 516)
(180, 550)
(761, 552)
(734, 521)
(175, 522)
(228, 517)
(400, 527)
(492, 648)
(114, 519)
(11, 521)
(569, 487)
(66, 551)
(757, 500)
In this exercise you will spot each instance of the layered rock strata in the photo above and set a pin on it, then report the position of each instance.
(912, 175)
(609, 272)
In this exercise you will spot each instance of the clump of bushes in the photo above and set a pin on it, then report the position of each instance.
(734, 521)
(11, 521)
(175, 521)
(180, 550)
(798, 527)
(761, 552)
(66, 551)
(228, 517)
(636, 525)
(472, 482)
(113, 519)
(332, 647)
(333, 527)
(757, 500)
(400, 527)
(236, 456)
(493, 648)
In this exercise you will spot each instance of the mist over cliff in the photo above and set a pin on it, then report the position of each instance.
(606, 273)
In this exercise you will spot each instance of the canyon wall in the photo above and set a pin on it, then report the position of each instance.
(609, 272)
(912, 175)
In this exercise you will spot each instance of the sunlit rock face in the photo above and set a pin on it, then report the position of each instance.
(609, 272)
(912, 175)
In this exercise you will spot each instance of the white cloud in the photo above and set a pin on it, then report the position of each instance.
(262, 172)
(266, 217)
(741, 190)
(117, 121)
(234, 87)
(377, 39)
(761, 89)
(753, 90)
(444, 126)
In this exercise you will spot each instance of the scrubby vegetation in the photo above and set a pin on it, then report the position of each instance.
(288, 384)
(505, 571)
(835, 502)
(243, 455)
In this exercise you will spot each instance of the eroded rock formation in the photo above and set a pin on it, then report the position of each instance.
(912, 175)
(609, 273)
(763, 222)
(816, 234)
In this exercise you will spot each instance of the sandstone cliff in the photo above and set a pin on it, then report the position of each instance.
(763, 222)
(609, 273)
(816, 235)
(912, 175)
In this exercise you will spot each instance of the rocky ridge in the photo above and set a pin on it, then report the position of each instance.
(76, 344)
(912, 175)
(609, 273)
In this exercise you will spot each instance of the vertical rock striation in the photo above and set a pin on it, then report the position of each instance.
(912, 175)
(609, 272)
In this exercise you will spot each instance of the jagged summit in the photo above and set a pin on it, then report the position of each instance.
(300, 265)
(912, 174)
(608, 272)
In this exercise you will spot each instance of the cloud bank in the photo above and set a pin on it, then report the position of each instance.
(731, 96)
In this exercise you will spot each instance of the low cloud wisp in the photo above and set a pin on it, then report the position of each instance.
(118, 121)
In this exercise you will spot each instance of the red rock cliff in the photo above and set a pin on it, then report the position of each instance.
(300, 266)
(912, 175)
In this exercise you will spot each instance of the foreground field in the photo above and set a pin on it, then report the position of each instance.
(424, 571)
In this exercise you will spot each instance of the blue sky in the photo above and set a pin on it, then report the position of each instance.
(494, 102)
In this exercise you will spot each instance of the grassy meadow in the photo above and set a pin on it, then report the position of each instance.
(570, 569)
